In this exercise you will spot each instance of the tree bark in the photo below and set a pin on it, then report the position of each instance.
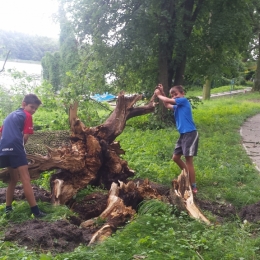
(93, 155)
(257, 73)
(206, 89)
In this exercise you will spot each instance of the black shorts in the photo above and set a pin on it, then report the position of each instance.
(13, 161)
(187, 144)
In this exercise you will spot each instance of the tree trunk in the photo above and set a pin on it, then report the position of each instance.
(179, 76)
(166, 42)
(257, 73)
(92, 157)
(190, 14)
(206, 89)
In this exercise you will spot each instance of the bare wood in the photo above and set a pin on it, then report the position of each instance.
(3, 68)
(182, 196)
(116, 212)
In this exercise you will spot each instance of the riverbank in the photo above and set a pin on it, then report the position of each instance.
(21, 61)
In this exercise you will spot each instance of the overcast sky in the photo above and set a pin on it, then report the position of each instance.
(29, 16)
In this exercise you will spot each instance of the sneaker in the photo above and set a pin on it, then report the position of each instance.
(194, 190)
(40, 215)
(7, 211)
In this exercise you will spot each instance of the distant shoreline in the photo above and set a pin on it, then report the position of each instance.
(21, 61)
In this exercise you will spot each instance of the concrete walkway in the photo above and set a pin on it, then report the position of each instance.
(250, 132)
(228, 93)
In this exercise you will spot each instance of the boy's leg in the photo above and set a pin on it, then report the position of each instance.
(27, 187)
(14, 177)
(191, 170)
(177, 159)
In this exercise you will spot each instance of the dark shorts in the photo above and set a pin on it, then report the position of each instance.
(187, 144)
(13, 161)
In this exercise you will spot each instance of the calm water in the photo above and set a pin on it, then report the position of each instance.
(32, 69)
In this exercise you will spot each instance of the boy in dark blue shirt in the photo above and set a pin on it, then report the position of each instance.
(14, 134)
(187, 144)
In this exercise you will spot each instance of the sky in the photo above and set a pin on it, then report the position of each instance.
(29, 16)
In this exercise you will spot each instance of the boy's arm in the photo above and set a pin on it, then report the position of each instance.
(167, 102)
(167, 105)
(25, 138)
(163, 98)
(160, 87)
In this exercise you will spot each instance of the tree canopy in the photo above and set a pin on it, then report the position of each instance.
(149, 41)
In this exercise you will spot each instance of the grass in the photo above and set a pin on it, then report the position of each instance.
(197, 91)
(224, 174)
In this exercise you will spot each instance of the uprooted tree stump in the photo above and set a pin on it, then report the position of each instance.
(93, 158)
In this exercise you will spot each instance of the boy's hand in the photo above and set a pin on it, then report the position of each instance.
(160, 87)
(157, 92)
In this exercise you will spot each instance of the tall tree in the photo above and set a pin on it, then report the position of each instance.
(257, 74)
(255, 43)
(27, 47)
(51, 66)
(68, 48)
(221, 33)
(150, 41)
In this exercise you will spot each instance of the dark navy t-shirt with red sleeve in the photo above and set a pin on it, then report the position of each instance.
(14, 127)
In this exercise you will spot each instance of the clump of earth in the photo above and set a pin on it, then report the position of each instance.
(65, 235)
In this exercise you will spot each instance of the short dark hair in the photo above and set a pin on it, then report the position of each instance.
(32, 99)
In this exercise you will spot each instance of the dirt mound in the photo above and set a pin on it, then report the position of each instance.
(251, 213)
(65, 235)
(57, 237)
(91, 206)
(39, 193)
(220, 210)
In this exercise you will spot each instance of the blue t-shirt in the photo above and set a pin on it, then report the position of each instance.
(183, 115)
(14, 127)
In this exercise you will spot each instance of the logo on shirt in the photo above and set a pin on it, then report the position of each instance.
(7, 149)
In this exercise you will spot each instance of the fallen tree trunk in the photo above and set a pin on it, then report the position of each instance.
(93, 157)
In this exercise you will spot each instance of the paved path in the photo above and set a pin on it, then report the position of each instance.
(250, 132)
(228, 93)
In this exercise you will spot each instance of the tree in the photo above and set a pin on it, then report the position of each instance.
(68, 49)
(51, 64)
(59, 68)
(151, 41)
(218, 38)
(27, 47)
(257, 74)
(255, 43)
(93, 157)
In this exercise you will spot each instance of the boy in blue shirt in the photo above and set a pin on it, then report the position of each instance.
(187, 143)
(14, 134)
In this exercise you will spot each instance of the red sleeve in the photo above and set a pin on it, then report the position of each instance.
(1, 129)
(28, 123)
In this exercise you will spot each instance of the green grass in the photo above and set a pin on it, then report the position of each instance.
(224, 174)
(197, 91)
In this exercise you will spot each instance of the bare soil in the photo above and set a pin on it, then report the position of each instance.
(65, 235)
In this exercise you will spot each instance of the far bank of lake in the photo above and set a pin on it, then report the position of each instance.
(31, 68)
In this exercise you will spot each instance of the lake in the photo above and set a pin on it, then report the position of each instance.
(32, 69)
